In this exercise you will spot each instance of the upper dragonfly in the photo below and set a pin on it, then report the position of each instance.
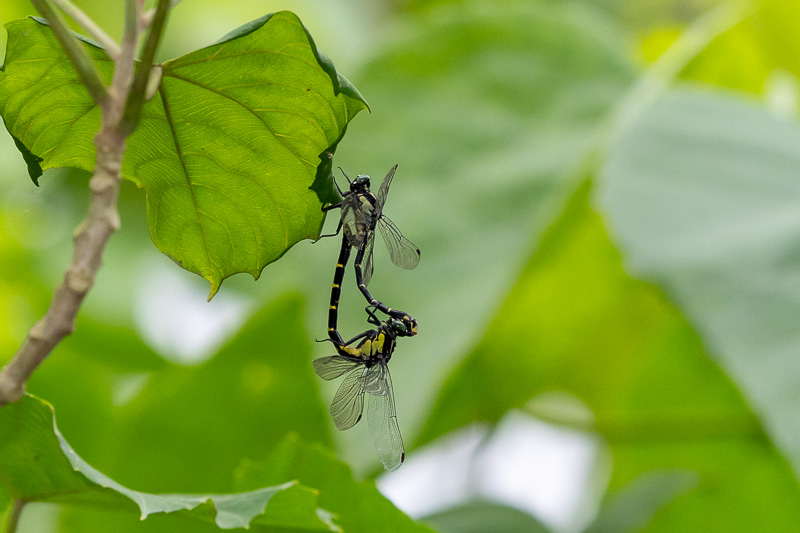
(362, 212)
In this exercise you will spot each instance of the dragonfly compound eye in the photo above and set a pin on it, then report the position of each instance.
(398, 326)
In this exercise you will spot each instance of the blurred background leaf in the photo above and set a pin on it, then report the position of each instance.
(613, 342)
(712, 215)
(239, 404)
(632, 507)
(479, 516)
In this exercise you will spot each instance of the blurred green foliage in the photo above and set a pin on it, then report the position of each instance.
(596, 218)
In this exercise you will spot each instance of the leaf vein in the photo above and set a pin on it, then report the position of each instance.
(170, 122)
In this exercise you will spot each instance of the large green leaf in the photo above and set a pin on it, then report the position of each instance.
(38, 465)
(226, 150)
(702, 193)
(576, 322)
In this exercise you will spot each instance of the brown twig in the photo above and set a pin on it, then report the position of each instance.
(102, 221)
(75, 51)
(95, 31)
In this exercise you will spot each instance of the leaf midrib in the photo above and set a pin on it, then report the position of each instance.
(179, 153)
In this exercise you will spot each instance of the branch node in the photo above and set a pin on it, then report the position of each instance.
(78, 282)
(37, 332)
(101, 183)
(112, 219)
(153, 82)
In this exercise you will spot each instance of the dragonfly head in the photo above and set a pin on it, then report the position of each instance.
(360, 184)
(403, 327)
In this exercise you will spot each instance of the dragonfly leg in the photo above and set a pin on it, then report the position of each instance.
(359, 336)
(327, 208)
(338, 229)
(373, 319)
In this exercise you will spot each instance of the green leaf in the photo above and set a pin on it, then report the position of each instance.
(226, 150)
(576, 322)
(358, 505)
(702, 193)
(38, 465)
(479, 516)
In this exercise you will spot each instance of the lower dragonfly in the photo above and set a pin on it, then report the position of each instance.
(367, 369)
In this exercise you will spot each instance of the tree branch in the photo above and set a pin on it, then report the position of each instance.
(136, 98)
(102, 221)
(77, 54)
(85, 22)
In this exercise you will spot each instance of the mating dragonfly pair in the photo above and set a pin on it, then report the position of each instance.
(365, 358)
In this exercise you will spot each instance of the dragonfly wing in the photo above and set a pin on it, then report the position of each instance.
(403, 252)
(354, 219)
(367, 266)
(383, 191)
(348, 403)
(382, 421)
(333, 366)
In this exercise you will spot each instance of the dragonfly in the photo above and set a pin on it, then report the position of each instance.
(365, 366)
(362, 213)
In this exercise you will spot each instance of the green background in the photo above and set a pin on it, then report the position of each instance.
(606, 199)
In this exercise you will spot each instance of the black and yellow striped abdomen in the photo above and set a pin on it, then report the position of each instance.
(336, 292)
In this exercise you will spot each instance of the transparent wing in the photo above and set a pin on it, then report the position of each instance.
(366, 266)
(403, 252)
(384, 191)
(333, 366)
(348, 403)
(382, 420)
(355, 218)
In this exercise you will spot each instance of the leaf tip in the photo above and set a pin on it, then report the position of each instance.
(215, 285)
